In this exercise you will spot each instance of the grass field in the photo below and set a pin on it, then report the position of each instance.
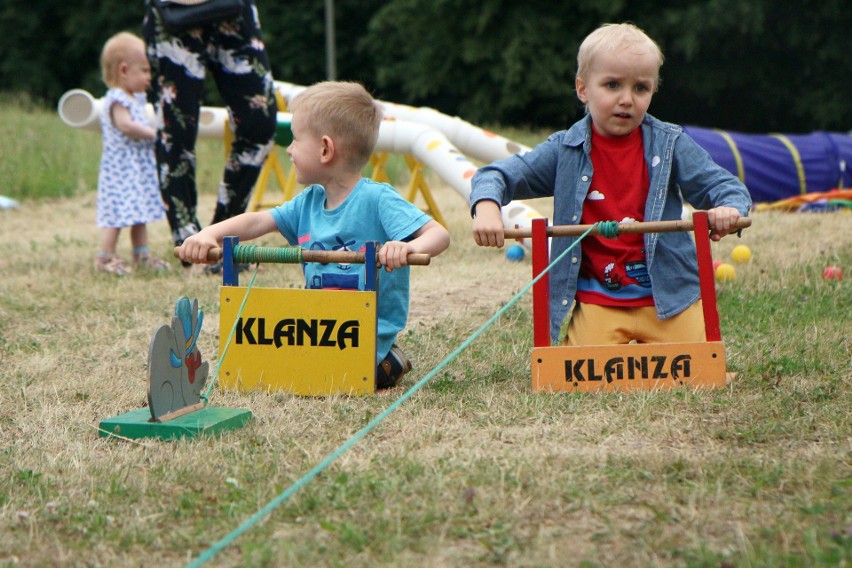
(473, 470)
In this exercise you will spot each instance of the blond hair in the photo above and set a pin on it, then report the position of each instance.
(610, 38)
(117, 50)
(346, 112)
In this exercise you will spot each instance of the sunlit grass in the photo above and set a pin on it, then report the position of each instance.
(473, 470)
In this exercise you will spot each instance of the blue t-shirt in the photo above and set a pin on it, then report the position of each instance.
(373, 212)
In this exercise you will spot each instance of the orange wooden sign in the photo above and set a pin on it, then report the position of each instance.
(617, 368)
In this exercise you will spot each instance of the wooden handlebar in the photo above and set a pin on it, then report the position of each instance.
(327, 256)
(648, 227)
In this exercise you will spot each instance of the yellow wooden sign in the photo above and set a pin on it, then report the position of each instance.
(614, 368)
(307, 342)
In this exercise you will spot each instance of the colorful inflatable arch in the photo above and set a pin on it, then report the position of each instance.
(780, 166)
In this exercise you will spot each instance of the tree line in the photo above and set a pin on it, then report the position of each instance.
(742, 65)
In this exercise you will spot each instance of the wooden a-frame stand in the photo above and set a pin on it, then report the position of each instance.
(416, 185)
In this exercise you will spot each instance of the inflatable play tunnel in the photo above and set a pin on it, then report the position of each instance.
(779, 166)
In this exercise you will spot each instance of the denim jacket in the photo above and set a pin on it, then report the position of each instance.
(561, 167)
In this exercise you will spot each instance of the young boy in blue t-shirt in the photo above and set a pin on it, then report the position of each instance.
(617, 163)
(335, 128)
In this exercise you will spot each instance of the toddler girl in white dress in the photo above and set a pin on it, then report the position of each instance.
(128, 191)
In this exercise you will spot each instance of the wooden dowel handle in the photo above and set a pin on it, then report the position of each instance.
(327, 256)
(623, 228)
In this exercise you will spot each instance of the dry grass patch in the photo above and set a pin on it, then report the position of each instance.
(473, 470)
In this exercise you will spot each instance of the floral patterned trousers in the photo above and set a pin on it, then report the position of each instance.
(232, 51)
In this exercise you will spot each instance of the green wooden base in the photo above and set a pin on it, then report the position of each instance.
(208, 420)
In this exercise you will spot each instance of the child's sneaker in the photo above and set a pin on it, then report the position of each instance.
(391, 370)
(149, 262)
(111, 264)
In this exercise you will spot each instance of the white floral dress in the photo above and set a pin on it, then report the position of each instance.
(128, 191)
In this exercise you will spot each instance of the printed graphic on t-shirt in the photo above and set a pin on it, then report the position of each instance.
(638, 271)
(341, 246)
(615, 276)
(344, 280)
(333, 281)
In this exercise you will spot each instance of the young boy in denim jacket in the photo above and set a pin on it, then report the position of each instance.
(617, 163)
(335, 128)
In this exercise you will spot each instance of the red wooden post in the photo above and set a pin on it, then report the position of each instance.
(706, 277)
(541, 289)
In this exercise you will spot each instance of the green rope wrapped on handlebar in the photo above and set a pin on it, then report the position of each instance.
(248, 254)
(608, 229)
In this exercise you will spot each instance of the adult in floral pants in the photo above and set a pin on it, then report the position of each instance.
(232, 51)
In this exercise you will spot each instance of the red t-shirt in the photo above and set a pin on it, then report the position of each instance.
(613, 271)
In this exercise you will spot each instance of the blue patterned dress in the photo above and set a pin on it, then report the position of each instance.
(128, 192)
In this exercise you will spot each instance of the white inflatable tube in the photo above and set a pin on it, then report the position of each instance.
(432, 147)
(445, 154)
(478, 143)
(78, 108)
(471, 140)
(427, 143)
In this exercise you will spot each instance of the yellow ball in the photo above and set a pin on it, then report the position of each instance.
(741, 253)
(725, 272)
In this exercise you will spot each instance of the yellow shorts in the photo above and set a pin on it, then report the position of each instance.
(604, 325)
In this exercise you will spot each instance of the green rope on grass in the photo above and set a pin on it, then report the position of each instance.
(247, 254)
(343, 448)
(608, 229)
(206, 396)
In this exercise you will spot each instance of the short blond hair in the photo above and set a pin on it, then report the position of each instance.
(117, 50)
(609, 38)
(346, 112)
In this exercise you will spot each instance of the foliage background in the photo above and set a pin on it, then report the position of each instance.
(743, 65)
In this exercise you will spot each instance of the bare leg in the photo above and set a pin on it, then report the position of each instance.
(139, 236)
(142, 257)
(107, 260)
(109, 240)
